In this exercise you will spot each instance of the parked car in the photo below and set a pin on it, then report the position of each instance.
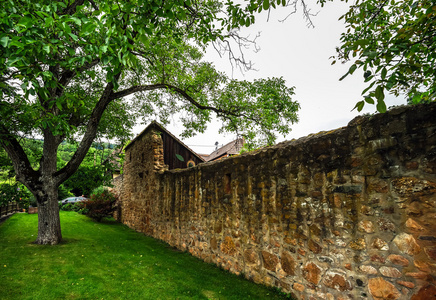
(72, 200)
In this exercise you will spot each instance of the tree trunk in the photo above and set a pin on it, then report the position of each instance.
(49, 225)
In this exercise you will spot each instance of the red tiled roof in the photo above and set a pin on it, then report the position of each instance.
(232, 148)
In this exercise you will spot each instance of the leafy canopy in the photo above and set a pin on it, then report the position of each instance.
(64, 63)
(394, 43)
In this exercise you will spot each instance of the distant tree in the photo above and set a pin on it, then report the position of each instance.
(85, 179)
(6, 166)
(66, 68)
(394, 43)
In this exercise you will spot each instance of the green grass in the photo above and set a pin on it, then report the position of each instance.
(108, 261)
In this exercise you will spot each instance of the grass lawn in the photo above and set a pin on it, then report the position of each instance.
(108, 261)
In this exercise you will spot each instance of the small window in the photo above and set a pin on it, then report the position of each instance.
(190, 163)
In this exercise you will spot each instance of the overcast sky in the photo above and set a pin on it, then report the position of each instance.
(301, 56)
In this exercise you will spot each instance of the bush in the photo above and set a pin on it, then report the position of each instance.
(14, 193)
(100, 205)
(99, 190)
(70, 207)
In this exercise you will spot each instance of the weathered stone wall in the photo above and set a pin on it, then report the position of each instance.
(347, 214)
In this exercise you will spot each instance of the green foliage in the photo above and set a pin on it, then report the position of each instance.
(99, 206)
(98, 190)
(14, 193)
(141, 46)
(85, 179)
(248, 148)
(394, 44)
(90, 174)
(63, 192)
(6, 168)
(70, 207)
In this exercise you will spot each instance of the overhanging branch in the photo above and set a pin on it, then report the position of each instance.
(162, 86)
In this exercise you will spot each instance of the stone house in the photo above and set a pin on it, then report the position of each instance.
(176, 155)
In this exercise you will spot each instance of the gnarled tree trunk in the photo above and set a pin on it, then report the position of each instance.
(49, 225)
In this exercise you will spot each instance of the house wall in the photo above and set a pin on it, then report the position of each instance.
(173, 147)
(346, 214)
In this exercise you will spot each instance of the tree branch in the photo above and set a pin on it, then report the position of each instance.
(67, 75)
(91, 131)
(23, 169)
(183, 93)
(71, 9)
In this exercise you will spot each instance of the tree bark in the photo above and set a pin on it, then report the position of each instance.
(49, 225)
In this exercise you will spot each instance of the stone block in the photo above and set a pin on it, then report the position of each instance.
(427, 292)
(380, 244)
(398, 260)
(312, 273)
(358, 244)
(228, 246)
(366, 226)
(431, 252)
(367, 269)
(390, 272)
(407, 244)
(270, 261)
(314, 247)
(288, 263)
(298, 287)
(337, 280)
(381, 289)
(251, 257)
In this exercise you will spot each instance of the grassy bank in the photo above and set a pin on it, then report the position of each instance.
(108, 261)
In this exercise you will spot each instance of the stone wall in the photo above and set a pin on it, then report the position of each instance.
(347, 214)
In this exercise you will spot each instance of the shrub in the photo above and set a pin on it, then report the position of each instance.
(14, 193)
(98, 190)
(100, 205)
(70, 207)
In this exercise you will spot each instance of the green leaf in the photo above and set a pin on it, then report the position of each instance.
(359, 106)
(49, 21)
(383, 73)
(25, 22)
(369, 100)
(367, 74)
(265, 4)
(344, 76)
(46, 48)
(88, 28)
(179, 157)
(12, 61)
(76, 20)
(73, 36)
(379, 94)
(381, 106)
(4, 41)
